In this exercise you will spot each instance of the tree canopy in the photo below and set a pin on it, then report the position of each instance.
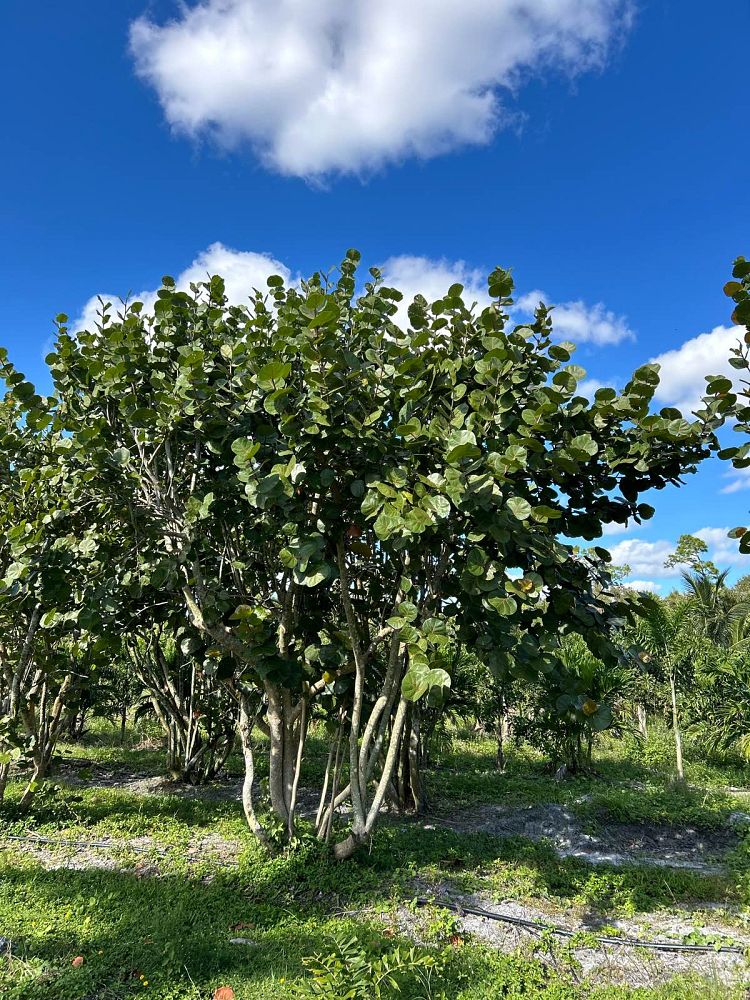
(326, 500)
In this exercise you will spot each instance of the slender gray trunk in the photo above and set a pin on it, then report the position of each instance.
(4, 773)
(676, 728)
(642, 720)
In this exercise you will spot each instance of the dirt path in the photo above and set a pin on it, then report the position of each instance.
(612, 843)
(600, 963)
(603, 964)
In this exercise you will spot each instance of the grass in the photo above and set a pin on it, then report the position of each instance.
(171, 938)
(172, 929)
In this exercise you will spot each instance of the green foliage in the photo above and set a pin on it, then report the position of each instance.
(737, 289)
(689, 552)
(721, 701)
(327, 502)
(351, 971)
(579, 699)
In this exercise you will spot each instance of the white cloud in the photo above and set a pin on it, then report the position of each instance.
(581, 323)
(244, 270)
(646, 559)
(432, 278)
(241, 270)
(722, 550)
(588, 387)
(647, 586)
(347, 85)
(620, 529)
(739, 479)
(571, 320)
(683, 370)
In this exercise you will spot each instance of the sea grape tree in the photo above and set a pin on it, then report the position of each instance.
(738, 289)
(46, 552)
(333, 500)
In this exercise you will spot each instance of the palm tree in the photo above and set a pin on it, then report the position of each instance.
(667, 633)
(717, 614)
(724, 701)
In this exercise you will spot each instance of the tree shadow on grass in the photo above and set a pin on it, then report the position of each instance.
(517, 867)
(170, 930)
(60, 806)
(176, 930)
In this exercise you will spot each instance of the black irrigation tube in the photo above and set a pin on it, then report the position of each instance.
(460, 909)
(538, 925)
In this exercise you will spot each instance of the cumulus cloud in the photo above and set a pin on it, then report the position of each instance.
(722, 550)
(588, 387)
(571, 320)
(242, 271)
(347, 85)
(643, 586)
(645, 559)
(413, 275)
(620, 529)
(581, 323)
(683, 370)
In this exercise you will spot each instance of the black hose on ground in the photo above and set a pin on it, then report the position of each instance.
(458, 908)
(539, 925)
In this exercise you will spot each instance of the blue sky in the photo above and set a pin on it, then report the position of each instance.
(596, 147)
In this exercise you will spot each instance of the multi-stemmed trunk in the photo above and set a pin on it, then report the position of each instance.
(375, 740)
(43, 716)
(287, 720)
(17, 673)
(196, 751)
(370, 735)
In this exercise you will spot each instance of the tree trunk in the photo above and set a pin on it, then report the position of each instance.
(642, 720)
(32, 786)
(502, 733)
(408, 783)
(4, 773)
(360, 831)
(676, 728)
(245, 727)
(45, 723)
(415, 761)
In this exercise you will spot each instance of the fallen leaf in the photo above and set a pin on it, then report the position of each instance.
(78, 961)
(224, 993)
